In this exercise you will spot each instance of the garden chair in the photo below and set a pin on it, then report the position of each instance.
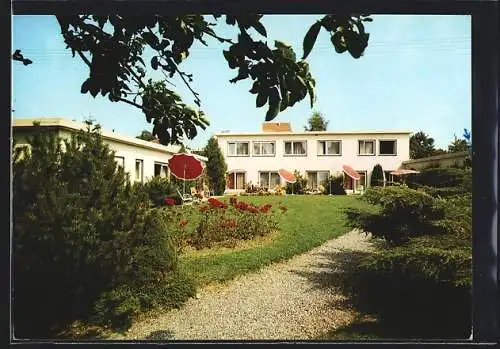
(195, 194)
(186, 198)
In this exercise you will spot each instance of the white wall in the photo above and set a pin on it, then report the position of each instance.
(128, 151)
(312, 162)
(131, 153)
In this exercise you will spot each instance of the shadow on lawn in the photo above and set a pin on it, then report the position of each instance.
(388, 307)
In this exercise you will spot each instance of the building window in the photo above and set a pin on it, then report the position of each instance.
(264, 148)
(361, 183)
(295, 148)
(269, 180)
(387, 147)
(329, 148)
(238, 149)
(161, 170)
(139, 167)
(236, 180)
(366, 147)
(315, 178)
(120, 161)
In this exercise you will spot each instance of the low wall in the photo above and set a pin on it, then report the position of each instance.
(443, 160)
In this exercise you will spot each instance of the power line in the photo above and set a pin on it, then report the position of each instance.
(406, 43)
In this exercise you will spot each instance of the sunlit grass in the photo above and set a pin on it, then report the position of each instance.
(308, 222)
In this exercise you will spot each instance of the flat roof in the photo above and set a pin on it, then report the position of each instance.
(311, 133)
(63, 123)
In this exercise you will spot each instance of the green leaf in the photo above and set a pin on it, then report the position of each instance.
(336, 40)
(255, 87)
(285, 97)
(261, 99)
(310, 38)
(85, 86)
(150, 39)
(260, 28)
(154, 63)
(310, 89)
(274, 104)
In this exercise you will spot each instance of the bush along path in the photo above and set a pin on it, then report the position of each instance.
(282, 301)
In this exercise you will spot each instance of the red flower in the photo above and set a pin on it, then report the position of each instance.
(169, 201)
(242, 205)
(216, 203)
(183, 222)
(233, 200)
(203, 208)
(265, 208)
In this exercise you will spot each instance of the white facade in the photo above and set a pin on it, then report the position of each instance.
(343, 148)
(142, 160)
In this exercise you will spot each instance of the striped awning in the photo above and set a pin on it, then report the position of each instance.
(348, 170)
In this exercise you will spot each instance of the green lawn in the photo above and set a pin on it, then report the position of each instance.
(309, 222)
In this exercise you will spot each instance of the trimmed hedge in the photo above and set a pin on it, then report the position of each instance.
(441, 178)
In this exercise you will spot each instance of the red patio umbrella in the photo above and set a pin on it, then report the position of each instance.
(185, 167)
(287, 176)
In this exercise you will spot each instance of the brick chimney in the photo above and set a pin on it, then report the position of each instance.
(276, 127)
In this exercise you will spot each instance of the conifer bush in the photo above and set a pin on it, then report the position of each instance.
(299, 186)
(85, 243)
(422, 288)
(334, 185)
(403, 212)
(377, 178)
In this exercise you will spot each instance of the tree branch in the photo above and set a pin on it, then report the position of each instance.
(85, 59)
(181, 74)
(137, 78)
(121, 99)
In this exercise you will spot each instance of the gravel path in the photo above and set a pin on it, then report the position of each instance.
(287, 301)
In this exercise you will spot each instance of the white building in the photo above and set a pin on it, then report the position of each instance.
(141, 159)
(256, 157)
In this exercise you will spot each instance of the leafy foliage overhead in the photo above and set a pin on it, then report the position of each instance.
(114, 47)
(279, 79)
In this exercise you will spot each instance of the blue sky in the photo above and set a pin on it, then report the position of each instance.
(415, 75)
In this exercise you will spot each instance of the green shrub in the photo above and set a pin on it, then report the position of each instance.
(334, 185)
(158, 188)
(442, 177)
(299, 186)
(84, 241)
(404, 212)
(414, 292)
(377, 177)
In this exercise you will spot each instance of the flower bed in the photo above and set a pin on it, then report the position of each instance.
(223, 224)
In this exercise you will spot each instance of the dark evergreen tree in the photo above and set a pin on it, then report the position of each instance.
(82, 234)
(377, 178)
(216, 166)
